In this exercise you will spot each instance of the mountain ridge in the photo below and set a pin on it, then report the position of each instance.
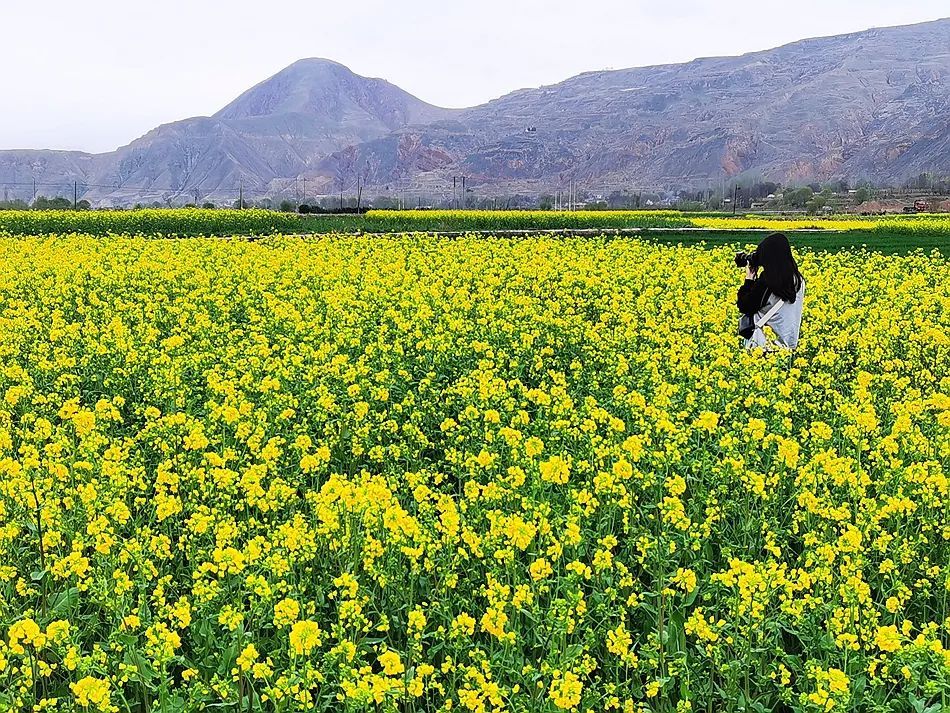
(870, 104)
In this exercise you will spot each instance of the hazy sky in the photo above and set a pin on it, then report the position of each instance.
(95, 75)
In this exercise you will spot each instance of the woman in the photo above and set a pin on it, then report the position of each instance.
(775, 297)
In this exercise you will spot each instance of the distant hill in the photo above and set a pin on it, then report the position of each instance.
(872, 104)
(278, 129)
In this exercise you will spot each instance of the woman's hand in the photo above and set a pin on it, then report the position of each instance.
(750, 272)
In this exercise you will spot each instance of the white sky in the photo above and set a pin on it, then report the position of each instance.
(95, 75)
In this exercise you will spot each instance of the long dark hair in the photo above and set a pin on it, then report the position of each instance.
(780, 271)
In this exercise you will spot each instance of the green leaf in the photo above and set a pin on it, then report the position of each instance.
(62, 602)
(677, 631)
(691, 597)
(146, 672)
(174, 704)
(228, 657)
(857, 689)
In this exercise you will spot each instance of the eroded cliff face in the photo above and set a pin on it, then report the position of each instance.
(871, 104)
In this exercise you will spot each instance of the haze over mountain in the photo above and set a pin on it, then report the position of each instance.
(873, 104)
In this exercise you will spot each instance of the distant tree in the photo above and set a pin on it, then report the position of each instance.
(286, 207)
(760, 190)
(83, 205)
(816, 203)
(15, 204)
(303, 209)
(208, 206)
(384, 203)
(921, 182)
(798, 197)
(862, 195)
(345, 168)
(839, 186)
(362, 178)
(44, 203)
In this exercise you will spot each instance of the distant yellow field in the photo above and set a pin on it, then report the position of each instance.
(932, 224)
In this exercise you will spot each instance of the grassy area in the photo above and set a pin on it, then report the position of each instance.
(461, 220)
(184, 222)
(195, 222)
(887, 234)
(877, 241)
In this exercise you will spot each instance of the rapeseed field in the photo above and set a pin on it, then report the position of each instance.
(399, 473)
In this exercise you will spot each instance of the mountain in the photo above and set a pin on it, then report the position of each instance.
(274, 132)
(873, 104)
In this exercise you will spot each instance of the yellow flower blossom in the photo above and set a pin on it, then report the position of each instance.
(305, 636)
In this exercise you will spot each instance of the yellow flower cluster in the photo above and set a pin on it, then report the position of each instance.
(410, 473)
(304, 637)
(93, 694)
(936, 224)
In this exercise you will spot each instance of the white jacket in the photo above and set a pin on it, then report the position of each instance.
(786, 322)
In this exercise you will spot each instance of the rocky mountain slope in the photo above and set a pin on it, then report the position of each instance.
(873, 104)
(275, 131)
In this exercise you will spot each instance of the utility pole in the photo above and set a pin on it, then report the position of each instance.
(196, 197)
(464, 195)
(296, 192)
(34, 191)
(75, 195)
(455, 195)
(735, 199)
(241, 199)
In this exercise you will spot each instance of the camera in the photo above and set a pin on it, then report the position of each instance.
(747, 260)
